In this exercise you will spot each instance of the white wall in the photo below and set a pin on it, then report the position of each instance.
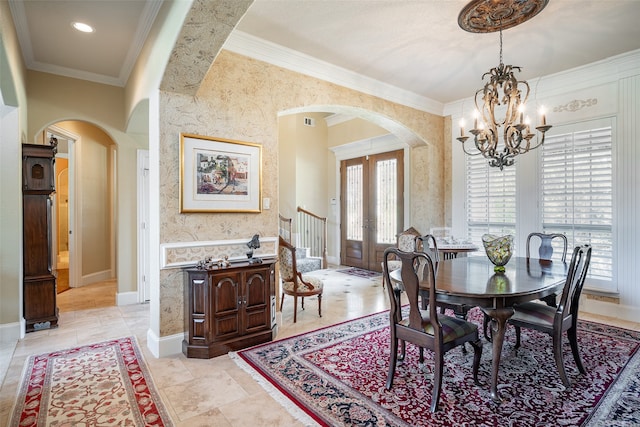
(613, 86)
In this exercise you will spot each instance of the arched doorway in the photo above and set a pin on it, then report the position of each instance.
(84, 220)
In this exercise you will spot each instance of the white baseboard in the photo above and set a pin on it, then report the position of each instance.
(165, 346)
(10, 333)
(604, 308)
(89, 279)
(126, 298)
(333, 260)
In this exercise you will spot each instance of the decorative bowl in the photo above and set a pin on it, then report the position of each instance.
(498, 249)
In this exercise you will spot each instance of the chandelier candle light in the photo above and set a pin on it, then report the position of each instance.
(502, 92)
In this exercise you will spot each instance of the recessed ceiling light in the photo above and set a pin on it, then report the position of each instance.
(80, 26)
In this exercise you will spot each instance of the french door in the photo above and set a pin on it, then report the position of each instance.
(372, 207)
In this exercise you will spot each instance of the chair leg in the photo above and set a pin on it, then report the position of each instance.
(517, 337)
(281, 301)
(295, 308)
(573, 340)
(303, 303)
(550, 300)
(486, 328)
(557, 354)
(437, 380)
(477, 355)
(403, 348)
(319, 305)
(421, 358)
(393, 356)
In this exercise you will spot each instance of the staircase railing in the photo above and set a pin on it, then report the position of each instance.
(312, 231)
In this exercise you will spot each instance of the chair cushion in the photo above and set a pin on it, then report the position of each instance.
(452, 327)
(534, 313)
(303, 287)
(393, 264)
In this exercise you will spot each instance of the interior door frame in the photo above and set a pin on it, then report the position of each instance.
(75, 219)
(369, 146)
(144, 250)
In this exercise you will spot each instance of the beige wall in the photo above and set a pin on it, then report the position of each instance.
(287, 153)
(94, 179)
(353, 130)
(13, 123)
(55, 98)
(311, 164)
(240, 99)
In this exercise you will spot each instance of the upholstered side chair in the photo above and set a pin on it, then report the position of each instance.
(295, 283)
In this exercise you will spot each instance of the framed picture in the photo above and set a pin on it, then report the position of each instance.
(219, 175)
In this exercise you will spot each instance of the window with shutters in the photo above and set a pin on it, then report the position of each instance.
(576, 190)
(490, 199)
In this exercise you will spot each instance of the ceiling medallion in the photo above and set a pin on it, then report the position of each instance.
(488, 16)
(501, 131)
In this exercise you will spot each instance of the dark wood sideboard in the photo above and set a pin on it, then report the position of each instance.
(39, 283)
(228, 308)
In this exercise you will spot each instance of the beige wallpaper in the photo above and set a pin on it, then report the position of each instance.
(240, 99)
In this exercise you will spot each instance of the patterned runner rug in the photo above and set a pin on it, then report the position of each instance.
(353, 271)
(104, 384)
(336, 376)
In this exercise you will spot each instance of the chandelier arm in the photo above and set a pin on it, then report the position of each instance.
(500, 139)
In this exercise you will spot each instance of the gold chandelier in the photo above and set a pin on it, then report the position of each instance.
(503, 93)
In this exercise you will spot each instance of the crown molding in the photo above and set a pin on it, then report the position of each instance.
(262, 50)
(609, 70)
(147, 19)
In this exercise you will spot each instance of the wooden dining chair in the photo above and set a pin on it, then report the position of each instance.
(405, 241)
(295, 283)
(555, 321)
(545, 251)
(429, 245)
(424, 328)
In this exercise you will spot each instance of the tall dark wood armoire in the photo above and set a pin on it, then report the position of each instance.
(38, 185)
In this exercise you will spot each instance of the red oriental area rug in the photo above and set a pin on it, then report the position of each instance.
(336, 376)
(104, 384)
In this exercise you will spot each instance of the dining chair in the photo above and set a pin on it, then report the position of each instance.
(295, 283)
(555, 321)
(405, 241)
(424, 328)
(545, 251)
(429, 245)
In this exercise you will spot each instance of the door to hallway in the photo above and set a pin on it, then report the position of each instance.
(372, 207)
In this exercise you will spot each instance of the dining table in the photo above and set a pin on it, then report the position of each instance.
(472, 281)
(451, 250)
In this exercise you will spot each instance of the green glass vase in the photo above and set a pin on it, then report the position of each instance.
(498, 249)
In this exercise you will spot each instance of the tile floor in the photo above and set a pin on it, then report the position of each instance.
(196, 392)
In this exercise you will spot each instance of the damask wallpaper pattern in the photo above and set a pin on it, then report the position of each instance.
(240, 99)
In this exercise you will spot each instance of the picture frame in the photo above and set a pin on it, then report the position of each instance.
(219, 175)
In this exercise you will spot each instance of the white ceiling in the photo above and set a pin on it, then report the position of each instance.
(414, 47)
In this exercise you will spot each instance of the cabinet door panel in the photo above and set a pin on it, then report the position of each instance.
(256, 288)
(226, 300)
(257, 298)
(225, 327)
(226, 291)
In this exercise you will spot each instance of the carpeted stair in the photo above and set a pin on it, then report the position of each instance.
(306, 263)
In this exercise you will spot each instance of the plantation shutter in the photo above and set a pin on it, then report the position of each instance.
(490, 199)
(577, 190)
